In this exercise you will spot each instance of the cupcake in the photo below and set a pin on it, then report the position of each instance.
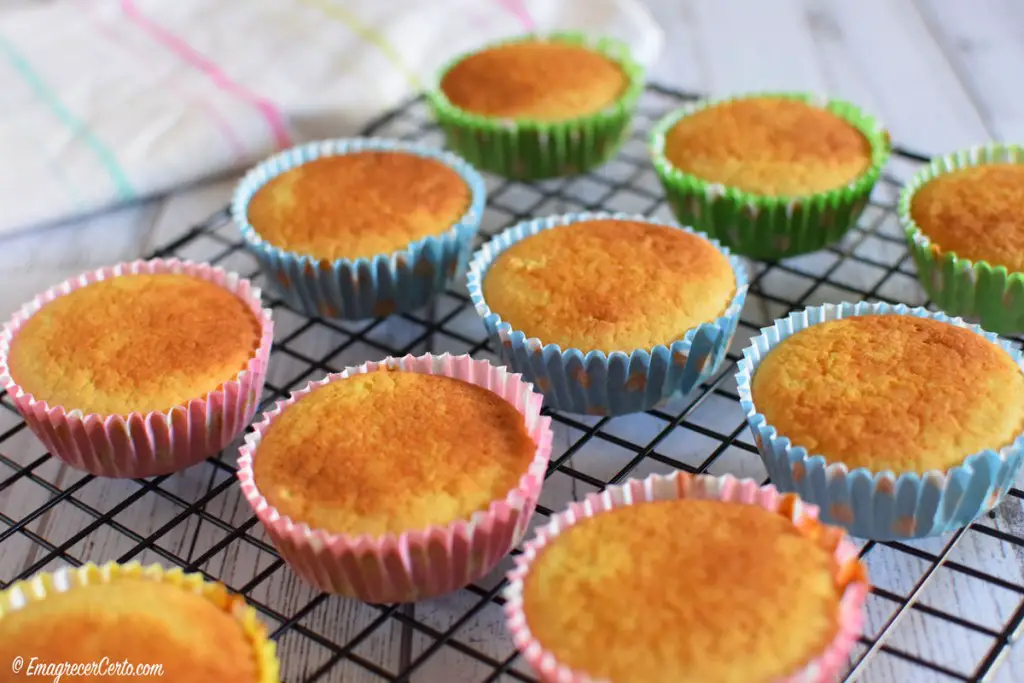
(608, 314)
(539, 106)
(400, 480)
(899, 423)
(359, 228)
(770, 175)
(139, 369)
(755, 590)
(964, 226)
(116, 622)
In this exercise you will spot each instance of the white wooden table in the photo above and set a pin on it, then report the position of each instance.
(943, 74)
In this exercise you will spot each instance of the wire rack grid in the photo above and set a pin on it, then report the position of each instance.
(943, 609)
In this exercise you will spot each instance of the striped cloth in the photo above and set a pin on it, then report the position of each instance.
(107, 101)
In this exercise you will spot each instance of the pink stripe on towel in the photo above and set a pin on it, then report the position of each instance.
(517, 8)
(270, 112)
(238, 149)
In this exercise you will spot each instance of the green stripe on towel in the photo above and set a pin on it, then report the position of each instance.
(75, 124)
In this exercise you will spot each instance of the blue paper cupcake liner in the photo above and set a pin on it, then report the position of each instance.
(884, 505)
(595, 382)
(356, 289)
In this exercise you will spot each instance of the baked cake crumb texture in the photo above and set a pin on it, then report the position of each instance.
(358, 205)
(134, 343)
(769, 146)
(138, 621)
(538, 80)
(975, 213)
(609, 285)
(684, 591)
(390, 452)
(891, 392)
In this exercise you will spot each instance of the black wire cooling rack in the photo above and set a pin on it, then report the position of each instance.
(943, 609)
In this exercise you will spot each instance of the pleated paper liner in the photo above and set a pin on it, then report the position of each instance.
(884, 505)
(43, 585)
(417, 564)
(976, 290)
(526, 149)
(154, 443)
(850, 572)
(362, 288)
(764, 227)
(595, 382)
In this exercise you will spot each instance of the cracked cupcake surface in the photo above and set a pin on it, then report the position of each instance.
(609, 285)
(891, 392)
(391, 452)
(975, 212)
(743, 595)
(358, 204)
(769, 146)
(134, 343)
(546, 81)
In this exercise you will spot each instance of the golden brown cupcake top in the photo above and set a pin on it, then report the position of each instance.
(135, 620)
(891, 392)
(134, 343)
(975, 213)
(741, 595)
(769, 146)
(609, 285)
(390, 452)
(358, 205)
(538, 80)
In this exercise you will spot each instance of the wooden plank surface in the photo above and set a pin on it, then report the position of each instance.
(979, 40)
(939, 72)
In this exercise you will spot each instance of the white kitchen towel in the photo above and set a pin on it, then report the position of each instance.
(107, 101)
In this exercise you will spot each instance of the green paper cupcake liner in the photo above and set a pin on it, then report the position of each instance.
(526, 149)
(766, 227)
(976, 290)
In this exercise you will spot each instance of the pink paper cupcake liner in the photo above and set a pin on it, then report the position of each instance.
(825, 667)
(417, 564)
(154, 443)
